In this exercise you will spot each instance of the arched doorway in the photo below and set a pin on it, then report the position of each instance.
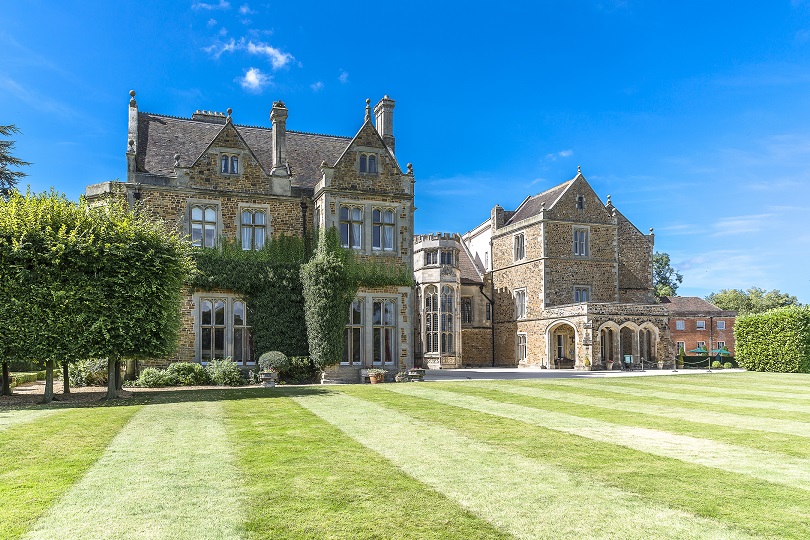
(609, 343)
(628, 345)
(562, 351)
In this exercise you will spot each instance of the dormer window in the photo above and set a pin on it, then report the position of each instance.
(363, 163)
(372, 164)
(229, 164)
(368, 163)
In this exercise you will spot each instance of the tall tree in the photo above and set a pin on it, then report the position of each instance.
(753, 300)
(8, 177)
(666, 279)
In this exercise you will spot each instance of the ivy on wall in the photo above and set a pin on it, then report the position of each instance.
(777, 340)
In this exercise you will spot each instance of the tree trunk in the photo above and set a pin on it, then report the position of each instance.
(112, 389)
(48, 397)
(131, 371)
(119, 382)
(65, 378)
(6, 390)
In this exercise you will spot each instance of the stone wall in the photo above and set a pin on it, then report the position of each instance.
(477, 346)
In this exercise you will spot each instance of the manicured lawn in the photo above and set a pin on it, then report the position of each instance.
(703, 456)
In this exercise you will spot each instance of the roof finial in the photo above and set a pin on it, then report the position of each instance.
(579, 169)
(542, 206)
(132, 98)
(177, 160)
(609, 202)
(229, 119)
(410, 168)
(368, 110)
(651, 231)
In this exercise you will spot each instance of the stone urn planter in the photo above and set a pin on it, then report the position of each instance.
(376, 376)
(609, 365)
(660, 364)
(268, 378)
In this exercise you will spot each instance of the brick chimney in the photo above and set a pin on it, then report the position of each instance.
(278, 116)
(497, 217)
(384, 112)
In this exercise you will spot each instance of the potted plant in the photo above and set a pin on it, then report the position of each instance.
(376, 375)
(609, 364)
(270, 364)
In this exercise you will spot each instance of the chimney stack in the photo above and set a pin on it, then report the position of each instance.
(132, 136)
(278, 116)
(384, 112)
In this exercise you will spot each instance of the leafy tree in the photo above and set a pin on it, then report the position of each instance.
(778, 340)
(665, 278)
(9, 178)
(753, 300)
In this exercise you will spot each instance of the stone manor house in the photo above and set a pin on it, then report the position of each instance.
(564, 280)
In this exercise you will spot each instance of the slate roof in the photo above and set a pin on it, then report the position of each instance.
(161, 137)
(532, 205)
(470, 272)
(695, 306)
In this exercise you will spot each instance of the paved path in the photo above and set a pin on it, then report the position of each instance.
(529, 373)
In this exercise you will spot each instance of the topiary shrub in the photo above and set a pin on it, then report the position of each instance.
(274, 361)
(88, 373)
(728, 365)
(187, 374)
(302, 370)
(717, 365)
(224, 372)
(777, 340)
(151, 377)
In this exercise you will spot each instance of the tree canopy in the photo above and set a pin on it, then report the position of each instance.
(8, 177)
(666, 279)
(753, 300)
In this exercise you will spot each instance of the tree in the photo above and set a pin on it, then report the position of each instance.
(9, 178)
(753, 300)
(665, 278)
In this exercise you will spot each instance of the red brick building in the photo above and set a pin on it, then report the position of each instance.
(695, 323)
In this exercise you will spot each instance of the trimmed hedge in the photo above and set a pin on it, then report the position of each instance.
(777, 341)
(25, 378)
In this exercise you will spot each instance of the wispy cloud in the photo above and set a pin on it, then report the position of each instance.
(202, 5)
(218, 48)
(244, 9)
(36, 100)
(316, 87)
(740, 224)
(223, 31)
(343, 77)
(254, 80)
(554, 156)
(277, 58)
(211, 22)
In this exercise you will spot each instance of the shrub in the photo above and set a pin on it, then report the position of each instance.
(716, 364)
(224, 372)
(728, 365)
(187, 374)
(274, 361)
(153, 378)
(88, 373)
(778, 340)
(301, 371)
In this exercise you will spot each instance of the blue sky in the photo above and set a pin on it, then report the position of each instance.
(693, 116)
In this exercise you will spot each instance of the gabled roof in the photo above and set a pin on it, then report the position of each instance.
(470, 272)
(161, 137)
(694, 305)
(533, 204)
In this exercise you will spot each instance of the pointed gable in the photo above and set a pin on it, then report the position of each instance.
(578, 202)
(353, 170)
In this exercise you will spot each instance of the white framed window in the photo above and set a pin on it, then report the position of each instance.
(488, 312)
(431, 257)
(384, 329)
(520, 303)
(223, 329)
(582, 242)
(521, 348)
(367, 163)
(582, 293)
(204, 225)
(431, 319)
(446, 257)
(229, 164)
(680, 346)
(353, 336)
(680, 325)
(519, 251)
(253, 228)
(382, 229)
(351, 227)
(580, 202)
(721, 325)
(466, 310)
(701, 325)
(447, 318)
(721, 344)
(701, 344)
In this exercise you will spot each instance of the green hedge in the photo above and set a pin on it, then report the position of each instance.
(25, 378)
(778, 340)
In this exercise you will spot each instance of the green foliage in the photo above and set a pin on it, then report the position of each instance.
(666, 279)
(728, 365)
(328, 291)
(754, 300)
(274, 361)
(716, 364)
(778, 340)
(187, 374)
(152, 377)
(269, 281)
(88, 373)
(224, 372)
(9, 178)
(25, 378)
(301, 371)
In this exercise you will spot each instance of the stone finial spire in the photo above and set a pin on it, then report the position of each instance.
(579, 170)
(132, 102)
(278, 116)
(368, 110)
(229, 119)
(132, 136)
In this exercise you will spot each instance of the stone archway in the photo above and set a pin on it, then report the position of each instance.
(648, 342)
(561, 338)
(609, 346)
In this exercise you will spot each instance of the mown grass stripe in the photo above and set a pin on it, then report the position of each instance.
(169, 473)
(743, 392)
(307, 479)
(9, 418)
(41, 459)
(742, 381)
(689, 397)
(769, 466)
(738, 421)
(525, 497)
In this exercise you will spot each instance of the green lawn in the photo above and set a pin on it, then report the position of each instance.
(699, 456)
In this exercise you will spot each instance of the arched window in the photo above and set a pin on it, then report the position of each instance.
(203, 225)
(254, 229)
(372, 164)
(431, 319)
(363, 167)
(448, 303)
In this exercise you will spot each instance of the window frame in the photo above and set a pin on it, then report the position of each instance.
(578, 290)
(352, 224)
(352, 327)
(466, 310)
(700, 325)
(723, 327)
(368, 163)
(680, 324)
(520, 297)
(580, 202)
(431, 257)
(522, 343)
(203, 223)
(386, 330)
(701, 345)
(518, 246)
(381, 227)
(721, 344)
(229, 328)
(581, 241)
(431, 310)
(230, 164)
(265, 227)
(680, 345)
(447, 320)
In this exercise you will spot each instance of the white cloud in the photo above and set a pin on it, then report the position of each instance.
(561, 154)
(201, 5)
(223, 31)
(740, 224)
(277, 58)
(212, 22)
(316, 86)
(254, 80)
(343, 77)
(244, 9)
(216, 49)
